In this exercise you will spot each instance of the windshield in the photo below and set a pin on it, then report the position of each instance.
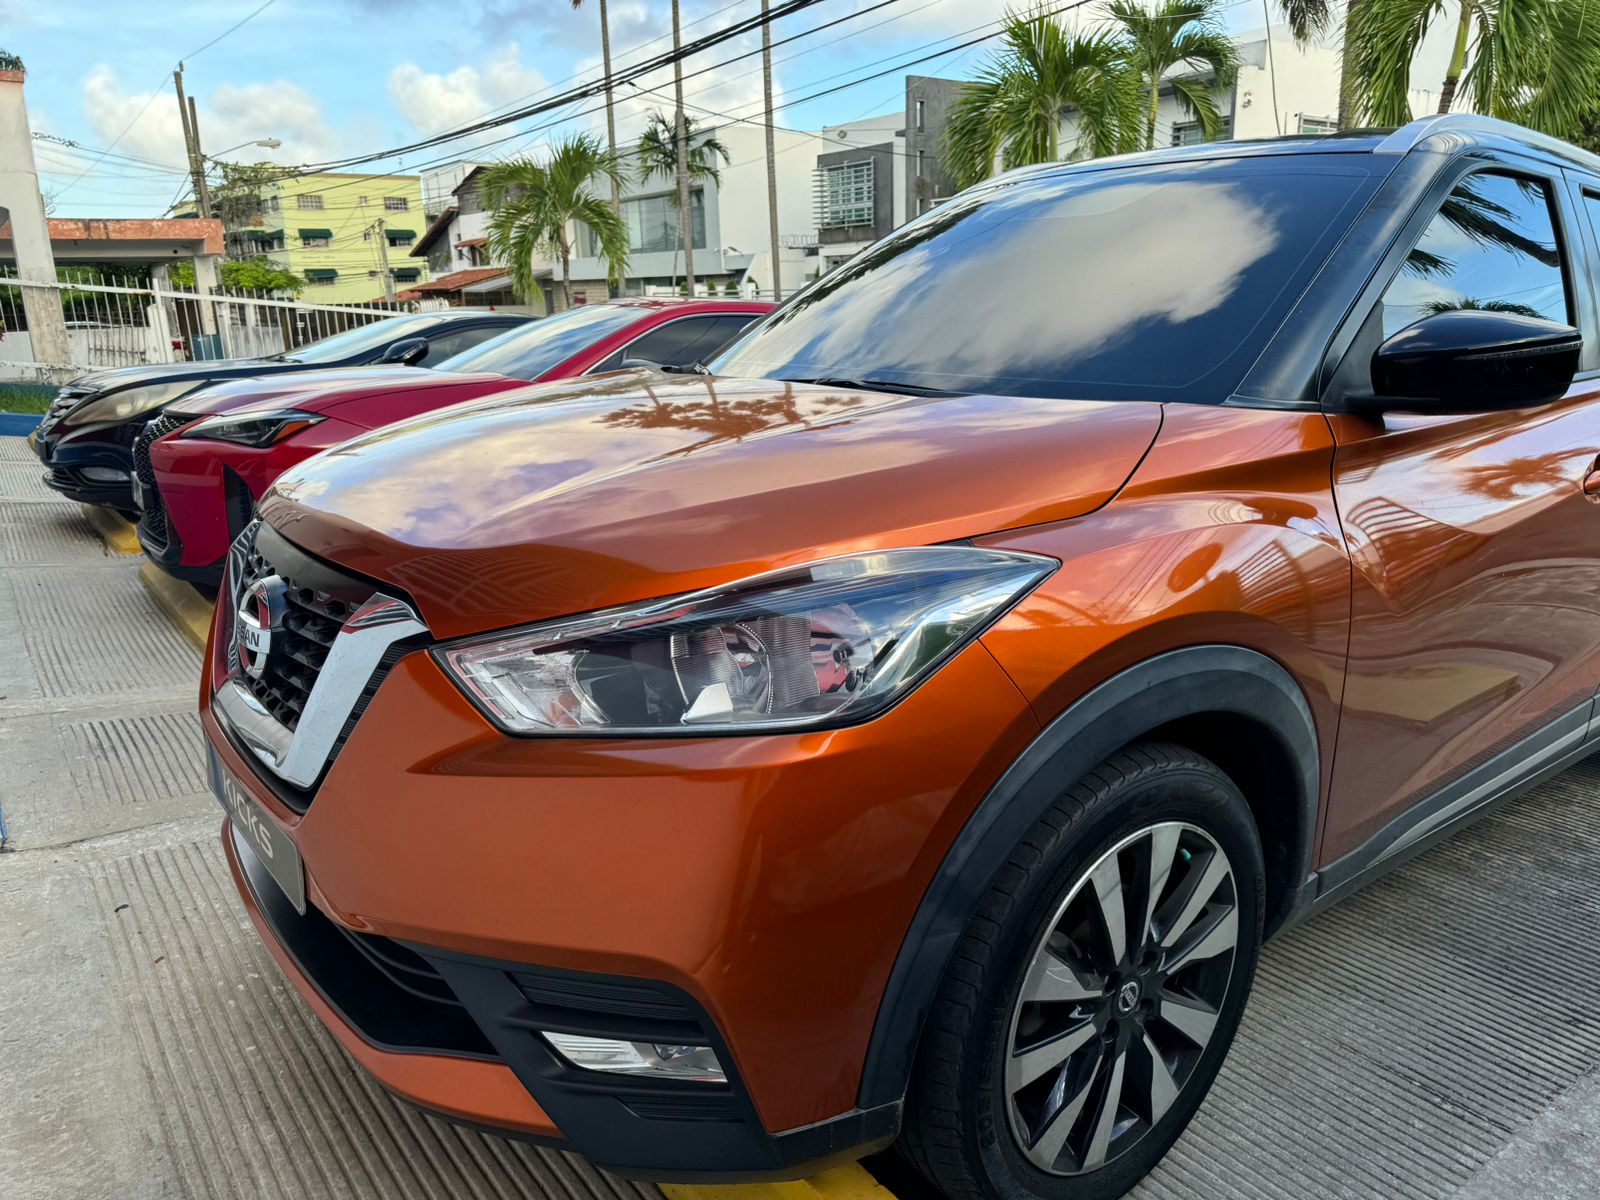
(353, 342)
(1151, 283)
(528, 351)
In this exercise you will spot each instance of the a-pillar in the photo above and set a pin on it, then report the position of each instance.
(30, 231)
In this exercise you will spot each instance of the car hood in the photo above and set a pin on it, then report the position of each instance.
(309, 391)
(565, 497)
(222, 368)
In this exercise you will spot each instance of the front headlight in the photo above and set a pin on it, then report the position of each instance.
(830, 643)
(119, 406)
(252, 429)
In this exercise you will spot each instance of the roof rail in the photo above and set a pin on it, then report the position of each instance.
(1469, 125)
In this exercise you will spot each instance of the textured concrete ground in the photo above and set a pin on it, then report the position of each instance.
(1437, 1036)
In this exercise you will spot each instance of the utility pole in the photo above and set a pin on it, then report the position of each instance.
(383, 261)
(191, 146)
(681, 131)
(772, 156)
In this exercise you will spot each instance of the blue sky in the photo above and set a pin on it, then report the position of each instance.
(337, 77)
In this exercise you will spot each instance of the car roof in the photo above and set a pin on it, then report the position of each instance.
(685, 304)
(1448, 131)
(447, 315)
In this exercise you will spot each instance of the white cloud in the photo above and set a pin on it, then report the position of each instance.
(233, 113)
(433, 102)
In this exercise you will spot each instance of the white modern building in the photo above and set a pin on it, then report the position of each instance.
(732, 235)
(1282, 90)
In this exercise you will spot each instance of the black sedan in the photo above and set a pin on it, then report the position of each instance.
(86, 439)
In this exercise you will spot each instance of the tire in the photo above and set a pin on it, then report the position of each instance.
(980, 1123)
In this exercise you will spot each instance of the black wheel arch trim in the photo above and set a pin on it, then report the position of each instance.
(1190, 681)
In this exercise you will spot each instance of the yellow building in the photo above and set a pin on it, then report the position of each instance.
(334, 230)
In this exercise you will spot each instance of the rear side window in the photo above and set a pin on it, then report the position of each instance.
(1492, 245)
(528, 351)
(1149, 282)
(449, 344)
(679, 343)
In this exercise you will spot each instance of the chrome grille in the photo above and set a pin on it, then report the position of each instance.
(312, 622)
(333, 639)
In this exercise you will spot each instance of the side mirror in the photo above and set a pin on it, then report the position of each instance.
(1473, 360)
(407, 352)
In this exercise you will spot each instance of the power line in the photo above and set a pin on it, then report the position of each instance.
(145, 107)
(589, 90)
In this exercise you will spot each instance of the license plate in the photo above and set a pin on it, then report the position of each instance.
(272, 846)
(138, 493)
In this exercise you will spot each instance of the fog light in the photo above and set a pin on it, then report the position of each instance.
(104, 474)
(659, 1059)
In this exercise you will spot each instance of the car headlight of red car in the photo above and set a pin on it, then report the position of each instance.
(252, 429)
(829, 643)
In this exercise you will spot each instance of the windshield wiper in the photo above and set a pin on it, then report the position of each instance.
(877, 385)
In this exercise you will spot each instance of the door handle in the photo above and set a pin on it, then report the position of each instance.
(1591, 484)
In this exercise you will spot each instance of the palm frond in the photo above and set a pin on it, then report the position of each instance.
(1307, 18)
(1013, 112)
(1562, 72)
(1384, 37)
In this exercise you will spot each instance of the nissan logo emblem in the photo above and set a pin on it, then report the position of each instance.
(258, 619)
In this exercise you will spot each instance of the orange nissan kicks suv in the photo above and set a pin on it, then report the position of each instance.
(909, 729)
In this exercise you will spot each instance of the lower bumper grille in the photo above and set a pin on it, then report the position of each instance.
(153, 526)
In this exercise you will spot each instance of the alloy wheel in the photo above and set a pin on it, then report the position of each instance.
(1121, 997)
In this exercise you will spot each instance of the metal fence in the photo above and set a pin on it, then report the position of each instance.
(127, 321)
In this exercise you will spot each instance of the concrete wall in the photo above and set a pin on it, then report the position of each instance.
(927, 180)
(23, 203)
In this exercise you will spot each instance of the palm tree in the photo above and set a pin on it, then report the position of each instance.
(1178, 33)
(531, 204)
(1532, 61)
(658, 155)
(1012, 111)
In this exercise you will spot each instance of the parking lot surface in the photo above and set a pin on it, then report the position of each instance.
(1436, 1036)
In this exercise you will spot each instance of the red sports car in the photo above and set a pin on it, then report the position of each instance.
(201, 465)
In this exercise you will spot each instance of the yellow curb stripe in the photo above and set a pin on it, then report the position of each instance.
(185, 607)
(113, 528)
(849, 1182)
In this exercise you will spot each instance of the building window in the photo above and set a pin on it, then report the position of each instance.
(321, 277)
(361, 201)
(1190, 133)
(396, 203)
(316, 243)
(653, 225)
(919, 116)
(271, 204)
(308, 200)
(1318, 126)
(845, 194)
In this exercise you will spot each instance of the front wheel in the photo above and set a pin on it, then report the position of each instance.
(1094, 994)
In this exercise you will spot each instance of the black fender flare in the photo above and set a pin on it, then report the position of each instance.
(1178, 683)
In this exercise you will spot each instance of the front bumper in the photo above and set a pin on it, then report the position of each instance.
(762, 884)
(66, 461)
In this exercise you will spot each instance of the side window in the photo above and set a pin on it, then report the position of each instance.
(674, 344)
(723, 331)
(1493, 245)
(448, 345)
